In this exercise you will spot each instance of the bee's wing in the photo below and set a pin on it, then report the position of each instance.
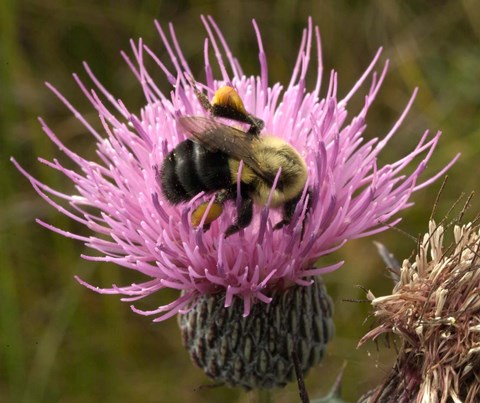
(215, 136)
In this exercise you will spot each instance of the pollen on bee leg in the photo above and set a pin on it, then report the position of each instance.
(228, 96)
(212, 214)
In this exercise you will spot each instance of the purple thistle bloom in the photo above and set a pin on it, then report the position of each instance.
(136, 228)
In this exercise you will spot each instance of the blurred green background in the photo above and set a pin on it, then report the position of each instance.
(59, 342)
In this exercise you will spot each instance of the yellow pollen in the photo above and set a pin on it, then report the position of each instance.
(228, 96)
(215, 210)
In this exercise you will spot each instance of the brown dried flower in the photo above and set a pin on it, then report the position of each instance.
(434, 309)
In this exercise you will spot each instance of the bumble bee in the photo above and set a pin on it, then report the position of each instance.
(209, 161)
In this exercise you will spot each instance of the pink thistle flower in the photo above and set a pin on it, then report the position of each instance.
(118, 195)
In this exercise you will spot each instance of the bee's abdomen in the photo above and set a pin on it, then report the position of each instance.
(190, 169)
(212, 168)
(171, 185)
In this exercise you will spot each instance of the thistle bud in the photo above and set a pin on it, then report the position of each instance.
(256, 351)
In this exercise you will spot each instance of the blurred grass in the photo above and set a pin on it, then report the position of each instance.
(60, 342)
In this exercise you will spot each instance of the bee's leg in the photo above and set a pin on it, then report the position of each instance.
(203, 99)
(220, 198)
(228, 112)
(256, 125)
(245, 215)
(289, 209)
(245, 211)
(229, 106)
(215, 210)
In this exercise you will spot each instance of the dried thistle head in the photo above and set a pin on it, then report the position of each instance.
(434, 308)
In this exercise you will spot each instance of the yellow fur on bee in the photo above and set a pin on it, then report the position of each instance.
(247, 174)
